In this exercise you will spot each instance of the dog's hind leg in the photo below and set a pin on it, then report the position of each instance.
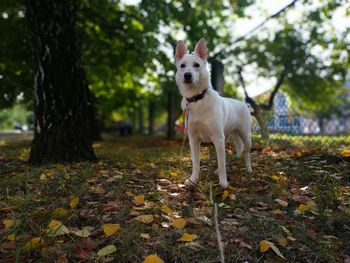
(238, 144)
(247, 144)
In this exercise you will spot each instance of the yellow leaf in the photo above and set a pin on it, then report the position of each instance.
(277, 212)
(82, 232)
(275, 177)
(166, 209)
(11, 237)
(107, 250)
(265, 245)
(60, 212)
(145, 236)
(173, 174)
(42, 177)
(144, 218)
(49, 174)
(56, 228)
(139, 199)
(345, 153)
(224, 195)
(110, 229)
(188, 237)
(301, 209)
(153, 259)
(282, 241)
(74, 202)
(34, 243)
(10, 222)
(179, 223)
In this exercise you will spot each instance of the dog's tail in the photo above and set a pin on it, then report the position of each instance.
(238, 144)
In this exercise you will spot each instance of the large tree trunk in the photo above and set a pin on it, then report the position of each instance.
(61, 90)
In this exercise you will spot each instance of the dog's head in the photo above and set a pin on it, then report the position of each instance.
(192, 75)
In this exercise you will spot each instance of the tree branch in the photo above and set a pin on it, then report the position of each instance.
(239, 39)
(274, 91)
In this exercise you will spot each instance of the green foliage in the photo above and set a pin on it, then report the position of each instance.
(15, 58)
(18, 113)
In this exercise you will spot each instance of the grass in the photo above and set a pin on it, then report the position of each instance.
(292, 169)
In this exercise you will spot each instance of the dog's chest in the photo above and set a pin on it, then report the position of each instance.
(200, 122)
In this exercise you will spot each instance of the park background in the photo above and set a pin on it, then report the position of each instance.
(92, 80)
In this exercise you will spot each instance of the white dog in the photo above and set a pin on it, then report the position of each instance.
(210, 117)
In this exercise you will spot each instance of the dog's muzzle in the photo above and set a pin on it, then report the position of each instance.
(188, 77)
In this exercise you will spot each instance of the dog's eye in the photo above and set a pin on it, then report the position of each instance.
(183, 65)
(196, 65)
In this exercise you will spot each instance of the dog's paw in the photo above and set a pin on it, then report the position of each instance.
(224, 184)
(216, 171)
(249, 170)
(191, 182)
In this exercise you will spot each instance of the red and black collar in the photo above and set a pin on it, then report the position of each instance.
(197, 97)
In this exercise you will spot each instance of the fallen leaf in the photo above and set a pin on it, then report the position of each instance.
(10, 222)
(173, 174)
(145, 236)
(345, 153)
(139, 199)
(188, 237)
(56, 228)
(107, 250)
(34, 243)
(281, 202)
(11, 237)
(144, 218)
(282, 241)
(82, 232)
(310, 206)
(74, 202)
(166, 209)
(153, 259)
(291, 238)
(265, 245)
(179, 223)
(224, 195)
(60, 212)
(110, 229)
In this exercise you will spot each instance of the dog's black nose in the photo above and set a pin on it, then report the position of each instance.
(188, 77)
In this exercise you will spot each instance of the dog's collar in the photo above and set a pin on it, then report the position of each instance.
(197, 97)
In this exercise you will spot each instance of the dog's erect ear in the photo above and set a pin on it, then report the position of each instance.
(181, 50)
(201, 49)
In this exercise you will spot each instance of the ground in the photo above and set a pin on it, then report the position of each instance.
(127, 205)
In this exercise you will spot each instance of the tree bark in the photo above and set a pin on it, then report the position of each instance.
(171, 115)
(151, 110)
(62, 98)
(217, 75)
(140, 116)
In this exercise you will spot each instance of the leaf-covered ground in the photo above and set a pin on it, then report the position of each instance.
(131, 204)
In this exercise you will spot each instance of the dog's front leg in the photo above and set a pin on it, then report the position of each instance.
(194, 145)
(219, 144)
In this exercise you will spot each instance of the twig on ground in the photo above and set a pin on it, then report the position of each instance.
(218, 234)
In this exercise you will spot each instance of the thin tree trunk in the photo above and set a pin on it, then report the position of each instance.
(171, 115)
(140, 116)
(151, 110)
(61, 90)
(262, 123)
